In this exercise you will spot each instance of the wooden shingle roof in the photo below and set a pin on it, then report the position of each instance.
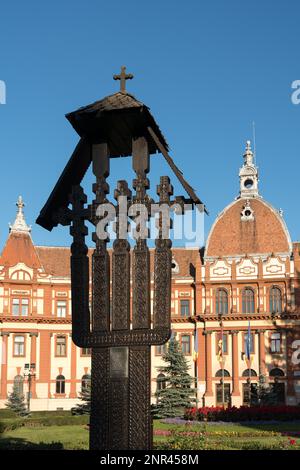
(115, 119)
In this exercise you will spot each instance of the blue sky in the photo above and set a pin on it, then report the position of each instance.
(206, 69)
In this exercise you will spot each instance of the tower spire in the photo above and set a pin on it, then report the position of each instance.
(19, 224)
(248, 175)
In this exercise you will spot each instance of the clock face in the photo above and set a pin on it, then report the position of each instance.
(248, 183)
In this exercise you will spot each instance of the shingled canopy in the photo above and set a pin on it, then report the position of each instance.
(116, 120)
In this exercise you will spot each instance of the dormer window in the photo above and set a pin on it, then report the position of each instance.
(175, 266)
(247, 212)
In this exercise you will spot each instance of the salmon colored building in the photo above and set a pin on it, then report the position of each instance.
(235, 303)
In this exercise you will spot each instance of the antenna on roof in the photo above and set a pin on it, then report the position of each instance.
(254, 141)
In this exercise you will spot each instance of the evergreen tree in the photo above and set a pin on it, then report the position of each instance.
(263, 394)
(84, 407)
(176, 394)
(16, 402)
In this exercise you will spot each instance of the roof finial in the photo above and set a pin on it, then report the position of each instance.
(248, 155)
(248, 174)
(123, 76)
(19, 224)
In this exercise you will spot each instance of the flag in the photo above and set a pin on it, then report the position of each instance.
(248, 343)
(195, 352)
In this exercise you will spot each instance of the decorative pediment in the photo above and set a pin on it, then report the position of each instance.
(274, 266)
(220, 271)
(247, 268)
(274, 269)
(20, 272)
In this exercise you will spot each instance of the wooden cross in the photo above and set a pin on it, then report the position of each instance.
(123, 76)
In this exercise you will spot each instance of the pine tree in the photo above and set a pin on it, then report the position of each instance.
(84, 407)
(16, 402)
(263, 394)
(177, 394)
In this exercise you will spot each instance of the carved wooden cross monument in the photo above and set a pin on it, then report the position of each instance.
(118, 328)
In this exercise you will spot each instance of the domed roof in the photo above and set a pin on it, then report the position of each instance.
(248, 226)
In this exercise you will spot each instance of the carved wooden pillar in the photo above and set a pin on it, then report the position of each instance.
(208, 364)
(3, 391)
(235, 364)
(33, 337)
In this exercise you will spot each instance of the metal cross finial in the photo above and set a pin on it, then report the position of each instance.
(123, 76)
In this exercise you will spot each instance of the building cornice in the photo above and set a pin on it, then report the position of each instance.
(250, 316)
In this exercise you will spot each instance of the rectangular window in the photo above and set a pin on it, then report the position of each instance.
(20, 307)
(251, 343)
(24, 307)
(86, 351)
(15, 306)
(61, 308)
(275, 343)
(19, 346)
(185, 308)
(161, 349)
(186, 344)
(61, 346)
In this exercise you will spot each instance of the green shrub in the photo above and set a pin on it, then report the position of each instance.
(7, 413)
(46, 419)
(8, 424)
(41, 414)
(34, 421)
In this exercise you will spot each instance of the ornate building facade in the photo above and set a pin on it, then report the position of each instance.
(235, 309)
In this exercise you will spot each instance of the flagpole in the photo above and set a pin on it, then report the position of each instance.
(222, 361)
(223, 385)
(249, 359)
(196, 362)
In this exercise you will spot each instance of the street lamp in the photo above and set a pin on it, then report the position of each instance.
(29, 373)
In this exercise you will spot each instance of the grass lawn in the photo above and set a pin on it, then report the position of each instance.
(212, 436)
(51, 437)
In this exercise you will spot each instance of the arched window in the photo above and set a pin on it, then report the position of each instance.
(252, 373)
(276, 372)
(60, 384)
(18, 384)
(161, 382)
(248, 304)
(275, 300)
(220, 373)
(221, 302)
(85, 383)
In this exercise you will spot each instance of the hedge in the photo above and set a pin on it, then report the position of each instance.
(243, 413)
(8, 424)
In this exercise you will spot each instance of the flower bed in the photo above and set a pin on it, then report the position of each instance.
(243, 413)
